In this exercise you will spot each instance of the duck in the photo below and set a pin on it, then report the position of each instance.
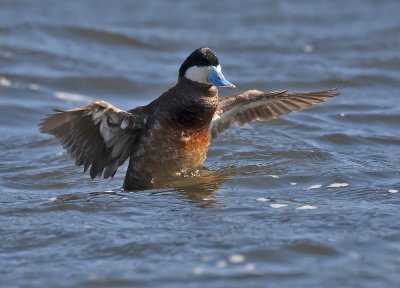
(170, 136)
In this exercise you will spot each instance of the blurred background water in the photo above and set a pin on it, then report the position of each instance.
(309, 200)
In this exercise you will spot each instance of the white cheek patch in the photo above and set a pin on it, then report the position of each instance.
(198, 74)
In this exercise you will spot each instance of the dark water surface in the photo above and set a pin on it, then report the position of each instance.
(264, 216)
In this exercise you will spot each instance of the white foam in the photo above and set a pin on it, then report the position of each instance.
(273, 176)
(5, 82)
(293, 183)
(263, 199)
(277, 205)
(338, 185)
(393, 190)
(52, 199)
(71, 97)
(306, 207)
(314, 186)
(236, 258)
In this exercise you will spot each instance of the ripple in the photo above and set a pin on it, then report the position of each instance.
(313, 249)
(78, 33)
(345, 139)
(109, 37)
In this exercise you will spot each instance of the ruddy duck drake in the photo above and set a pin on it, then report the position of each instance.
(171, 135)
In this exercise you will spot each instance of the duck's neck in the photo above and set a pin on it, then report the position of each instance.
(197, 88)
(198, 103)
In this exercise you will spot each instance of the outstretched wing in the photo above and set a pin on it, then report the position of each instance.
(99, 136)
(254, 105)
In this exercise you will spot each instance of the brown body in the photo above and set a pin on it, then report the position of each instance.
(176, 137)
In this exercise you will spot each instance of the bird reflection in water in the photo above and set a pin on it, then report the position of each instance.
(199, 189)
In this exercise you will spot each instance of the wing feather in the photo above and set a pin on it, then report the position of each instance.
(254, 105)
(98, 136)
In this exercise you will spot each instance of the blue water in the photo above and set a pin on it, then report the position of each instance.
(239, 226)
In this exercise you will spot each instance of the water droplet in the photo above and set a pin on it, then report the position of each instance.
(314, 187)
(308, 48)
(5, 82)
(306, 207)
(277, 205)
(337, 185)
(236, 258)
(34, 87)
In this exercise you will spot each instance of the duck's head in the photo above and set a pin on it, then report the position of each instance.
(202, 66)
